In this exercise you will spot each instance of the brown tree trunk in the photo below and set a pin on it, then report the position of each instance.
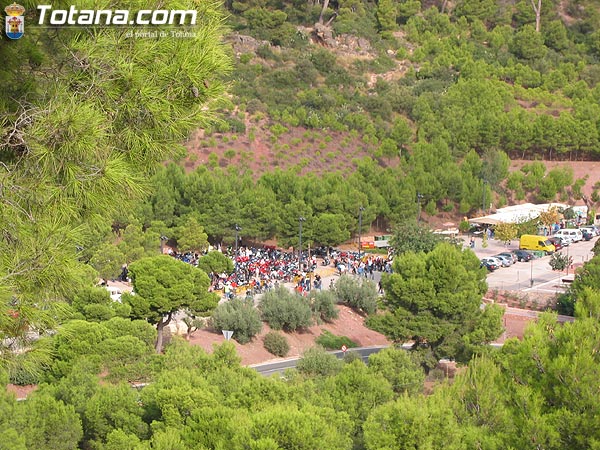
(538, 13)
(160, 326)
(325, 5)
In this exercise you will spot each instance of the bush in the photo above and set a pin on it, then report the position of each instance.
(284, 310)
(359, 294)
(316, 361)
(276, 344)
(322, 304)
(239, 316)
(558, 261)
(330, 341)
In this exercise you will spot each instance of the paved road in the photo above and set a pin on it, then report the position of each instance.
(271, 368)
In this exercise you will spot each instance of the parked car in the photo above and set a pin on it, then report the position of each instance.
(523, 255)
(592, 229)
(490, 264)
(509, 255)
(574, 234)
(557, 242)
(506, 261)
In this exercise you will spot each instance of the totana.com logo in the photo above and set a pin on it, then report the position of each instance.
(15, 22)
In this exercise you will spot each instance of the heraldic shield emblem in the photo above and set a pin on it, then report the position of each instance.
(15, 21)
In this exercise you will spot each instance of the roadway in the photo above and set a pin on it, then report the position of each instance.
(278, 367)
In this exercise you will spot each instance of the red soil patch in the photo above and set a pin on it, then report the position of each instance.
(348, 324)
(581, 169)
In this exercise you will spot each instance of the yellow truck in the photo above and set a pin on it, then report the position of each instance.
(535, 242)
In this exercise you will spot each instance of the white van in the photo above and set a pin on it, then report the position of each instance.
(571, 233)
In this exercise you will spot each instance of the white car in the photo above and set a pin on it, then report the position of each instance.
(574, 234)
(506, 260)
(565, 241)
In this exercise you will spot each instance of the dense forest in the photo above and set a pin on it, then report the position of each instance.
(428, 101)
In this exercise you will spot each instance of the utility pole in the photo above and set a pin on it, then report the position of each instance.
(419, 198)
(360, 211)
(300, 220)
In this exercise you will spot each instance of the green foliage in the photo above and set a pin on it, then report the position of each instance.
(434, 300)
(95, 305)
(164, 285)
(330, 341)
(191, 236)
(240, 316)
(356, 390)
(529, 44)
(558, 261)
(411, 237)
(108, 260)
(215, 262)
(330, 229)
(397, 366)
(136, 243)
(323, 305)
(360, 294)
(398, 425)
(285, 310)
(276, 344)
(48, 423)
(315, 361)
(386, 15)
(505, 232)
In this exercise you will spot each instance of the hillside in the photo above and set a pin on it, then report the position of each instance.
(426, 114)
(317, 90)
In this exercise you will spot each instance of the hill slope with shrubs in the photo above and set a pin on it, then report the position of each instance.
(421, 88)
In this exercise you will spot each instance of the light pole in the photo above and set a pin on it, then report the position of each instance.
(531, 272)
(360, 211)
(300, 220)
(163, 239)
(235, 255)
(419, 198)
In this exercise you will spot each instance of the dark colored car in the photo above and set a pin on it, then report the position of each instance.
(523, 255)
(557, 242)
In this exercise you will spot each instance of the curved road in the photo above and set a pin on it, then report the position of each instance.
(271, 368)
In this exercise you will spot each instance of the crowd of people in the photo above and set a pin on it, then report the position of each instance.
(257, 270)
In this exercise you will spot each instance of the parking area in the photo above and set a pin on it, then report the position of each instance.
(536, 275)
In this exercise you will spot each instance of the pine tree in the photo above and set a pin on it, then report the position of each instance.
(86, 114)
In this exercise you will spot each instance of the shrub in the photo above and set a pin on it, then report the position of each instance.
(558, 261)
(316, 361)
(330, 341)
(276, 344)
(351, 356)
(359, 294)
(322, 304)
(400, 368)
(239, 316)
(282, 309)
